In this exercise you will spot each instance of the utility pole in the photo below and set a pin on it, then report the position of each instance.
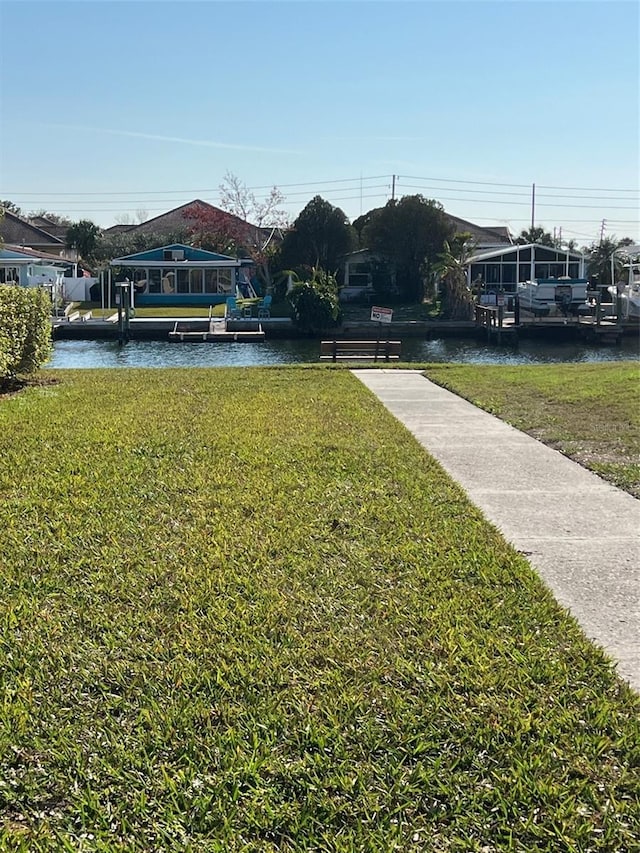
(393, 187)
(602, 227)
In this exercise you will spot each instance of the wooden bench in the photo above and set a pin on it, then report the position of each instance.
(359, 350)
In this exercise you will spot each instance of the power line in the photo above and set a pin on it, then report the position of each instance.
(141, 202)
(453, 189)
(197, 191)
(538, 186)
(457, 181)
(588, 189)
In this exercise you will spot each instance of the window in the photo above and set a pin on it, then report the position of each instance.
(210, 281)
(224, 281)
(508, 273)
(168, 281)
(183, 281)
(9, 275)
(525, 272)
(195, 281)
(478, 272)
(154, 281)
(493, 274)
(542, 271)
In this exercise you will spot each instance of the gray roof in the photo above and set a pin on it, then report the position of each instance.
(492, 235)
(19, 232)
(56, 229)
(118, 229)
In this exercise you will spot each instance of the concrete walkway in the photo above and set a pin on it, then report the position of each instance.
(581, 534)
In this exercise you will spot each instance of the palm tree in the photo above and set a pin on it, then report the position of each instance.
(603, 262)
(83, 237)
(457, 299)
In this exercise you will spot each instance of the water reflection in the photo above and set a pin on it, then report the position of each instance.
(88, 354)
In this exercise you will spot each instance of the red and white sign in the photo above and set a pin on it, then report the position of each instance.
(381, 315)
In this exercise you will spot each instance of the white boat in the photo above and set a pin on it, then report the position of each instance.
(554, 297)
(628, 292)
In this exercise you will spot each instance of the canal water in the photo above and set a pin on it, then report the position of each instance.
(87, 354)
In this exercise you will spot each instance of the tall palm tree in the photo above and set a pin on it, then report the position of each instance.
(457, 299)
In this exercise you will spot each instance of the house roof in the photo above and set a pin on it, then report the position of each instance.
(491, 235)
(118, 229)
(192, 257)
(18, 253)
(517, 248)
(56, 229)
(18, 231)
(177, 220)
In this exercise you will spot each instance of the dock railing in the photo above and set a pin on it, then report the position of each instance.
(490, 317)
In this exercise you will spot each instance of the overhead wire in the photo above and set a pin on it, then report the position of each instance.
(114, 200)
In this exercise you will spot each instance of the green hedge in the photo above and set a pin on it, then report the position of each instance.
(25, 330)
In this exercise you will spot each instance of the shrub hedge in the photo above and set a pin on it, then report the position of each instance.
(25, 330)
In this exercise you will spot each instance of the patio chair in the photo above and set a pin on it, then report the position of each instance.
(264, 307)
(232, 312)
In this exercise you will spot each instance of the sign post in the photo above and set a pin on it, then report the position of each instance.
(381, 315)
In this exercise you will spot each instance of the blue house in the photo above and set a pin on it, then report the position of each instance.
(183, 275)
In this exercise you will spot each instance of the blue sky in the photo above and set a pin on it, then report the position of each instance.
(111, 108)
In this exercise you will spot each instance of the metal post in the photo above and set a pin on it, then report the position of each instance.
(533, 205)
(123, 311)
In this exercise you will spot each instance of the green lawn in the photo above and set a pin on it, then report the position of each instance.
(280, 309)
(243, 610)
(590, 412)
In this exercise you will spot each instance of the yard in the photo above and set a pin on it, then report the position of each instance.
(242, 610)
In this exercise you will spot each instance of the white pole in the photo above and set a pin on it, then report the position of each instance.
(613, 268)
(533, 206)
(533, 264)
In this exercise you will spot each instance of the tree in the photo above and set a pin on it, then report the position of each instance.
(83, 237)
(320, 236)
(535, 235)
(213, 229)
(315, 302)
(360, 226)
(264, 219)
(5, 204)
(56, 218)
(237, 198)
(457, 300)
(603, 263)
(118, 245)
(127, 219)
(410, 233)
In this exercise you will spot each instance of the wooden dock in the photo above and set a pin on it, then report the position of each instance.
(217, 331)
(500, 326)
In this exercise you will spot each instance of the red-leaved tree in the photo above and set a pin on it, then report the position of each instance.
(213, 229)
